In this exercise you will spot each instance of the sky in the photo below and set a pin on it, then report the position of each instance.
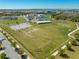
(39, 4)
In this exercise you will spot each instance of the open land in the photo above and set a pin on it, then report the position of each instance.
(42, 39)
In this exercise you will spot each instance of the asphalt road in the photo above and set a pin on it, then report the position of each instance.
(9, 50)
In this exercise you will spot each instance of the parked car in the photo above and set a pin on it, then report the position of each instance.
(24, 56)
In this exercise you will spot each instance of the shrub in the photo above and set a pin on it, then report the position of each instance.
(74, 42)
(69, 47)
(20, 51)
(62, 52)
(77, 36)
(3, 55)
(14, 44)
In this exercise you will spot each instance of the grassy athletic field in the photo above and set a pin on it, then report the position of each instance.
(19, 20)
(41, 39)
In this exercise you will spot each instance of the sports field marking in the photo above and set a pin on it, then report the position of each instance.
(27, 34)
(30, 31)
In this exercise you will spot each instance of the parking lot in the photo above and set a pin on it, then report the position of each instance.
(9, 49)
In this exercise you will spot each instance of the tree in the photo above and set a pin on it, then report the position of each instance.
(62, 52)
(77, 36)
(20, 51)
(17, 22)
(74, 42)
(10, 40)
(68, 46)
(14, 44)
(4, 33)
(1, 47)
(3, 55)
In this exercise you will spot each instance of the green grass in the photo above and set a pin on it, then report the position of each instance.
(44, 39)
(20, 20)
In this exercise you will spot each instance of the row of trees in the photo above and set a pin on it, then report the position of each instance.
(13, 43)
(3, 54)
(74, 42)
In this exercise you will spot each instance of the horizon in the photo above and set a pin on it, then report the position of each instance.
(39, 4)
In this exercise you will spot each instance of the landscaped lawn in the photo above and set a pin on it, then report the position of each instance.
(41, 39)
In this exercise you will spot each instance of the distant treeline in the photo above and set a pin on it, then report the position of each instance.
(19, 13)
(72, 15)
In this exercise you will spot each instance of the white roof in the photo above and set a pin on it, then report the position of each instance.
(43, 22)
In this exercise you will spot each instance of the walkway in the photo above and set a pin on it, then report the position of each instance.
(70, 34)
